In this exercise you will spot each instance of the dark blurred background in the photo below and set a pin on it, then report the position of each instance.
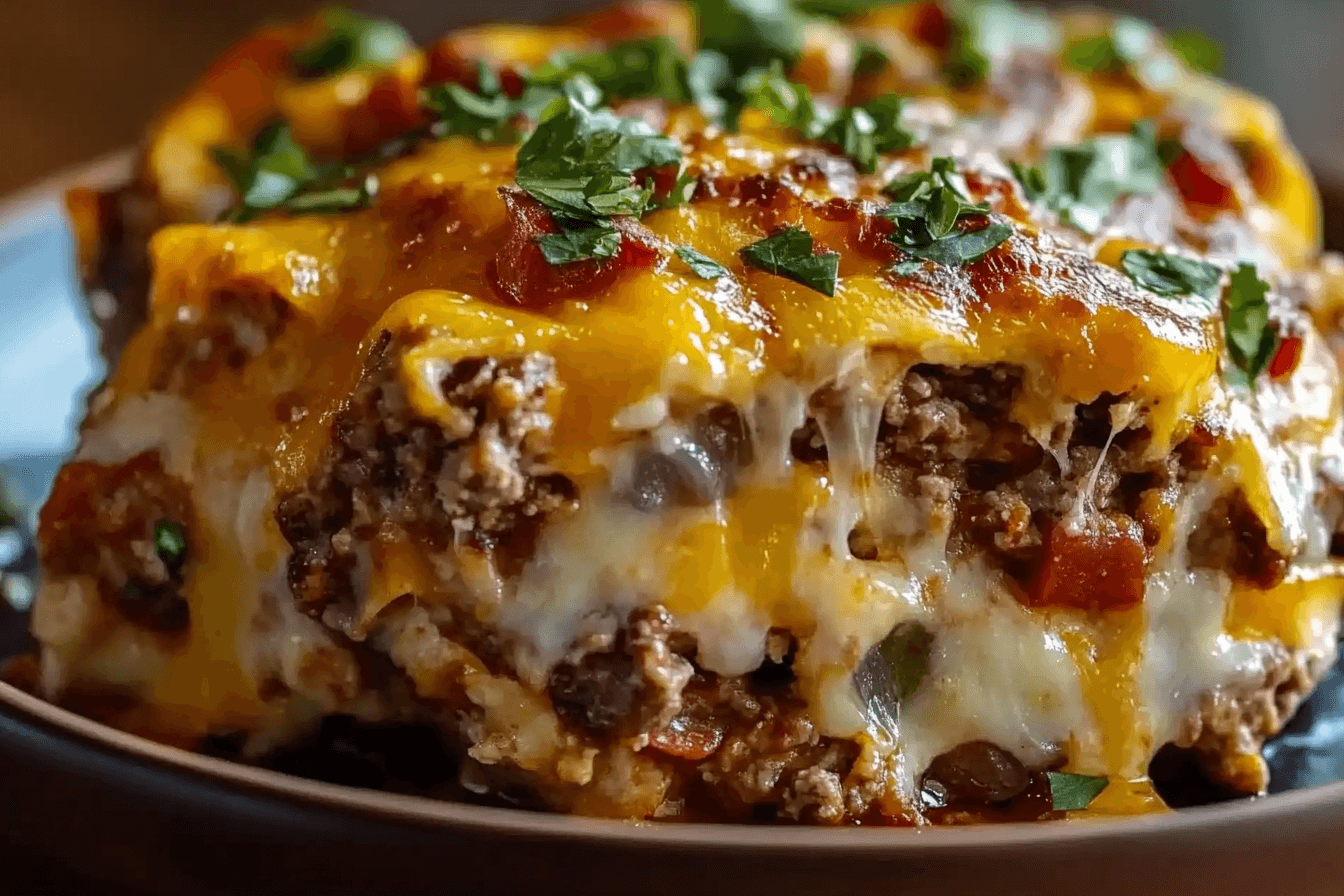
(79, 78)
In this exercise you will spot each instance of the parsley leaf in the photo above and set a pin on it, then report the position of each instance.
(926, 211)
(1197, 50)
(704, 267)
(789, 254)
(751, 33)
(1250, 339)
(595, 241)
(170, 543)
(580, 162)
(277, 173)
(984, 32)
(906, 652)
(1070, 792)
(1171, 275)
(861, 132)
(484, 114)
(837, 9)
(1081, 182)
(1128, 41)
(352, 41)
(893, 671)
(869, 58)
(652, 68)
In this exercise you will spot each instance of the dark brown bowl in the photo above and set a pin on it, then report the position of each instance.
(135, 813)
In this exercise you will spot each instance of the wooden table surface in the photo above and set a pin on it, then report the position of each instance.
(81, 77)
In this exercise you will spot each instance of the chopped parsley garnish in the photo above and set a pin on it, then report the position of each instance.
(862, 132)
(170, 543)
(595, 241)
(984, 32)
(906, 652)
(837, 9)
(927, 207)
(484, 113)
(580, 164)
(751, 33)
(869, 58)
(1171, 275)
(789, 254)
(277, 173)
(702, 265)
(352, 41)
(1128, 41)
(1081, 182)
(1070, 792)
(1250, 340)
(1197, 50)
(652, 68)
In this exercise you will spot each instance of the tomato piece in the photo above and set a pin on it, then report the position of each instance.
(932, 27)
(687, 738)
(1199, 186)
(1099, 568)
(393, 108)
(521, 274)
(664, 179)
(1287, 356)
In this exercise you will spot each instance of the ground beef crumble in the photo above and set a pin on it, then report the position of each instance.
(479, 478)
(733, 748)
(107, 522)
(235, 325)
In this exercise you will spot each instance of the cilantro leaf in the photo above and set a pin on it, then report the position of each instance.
(1197, 50)
(595, 241)
(170, 543)
(1082, 182)
(789, 254)
(1070, 792)
(704, 267)
(352, 41)
(1171, 275)
(751, 33)
(928, 206)
(277, 173)
(1250, 339)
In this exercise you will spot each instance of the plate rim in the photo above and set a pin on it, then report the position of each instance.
(1258, 812)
